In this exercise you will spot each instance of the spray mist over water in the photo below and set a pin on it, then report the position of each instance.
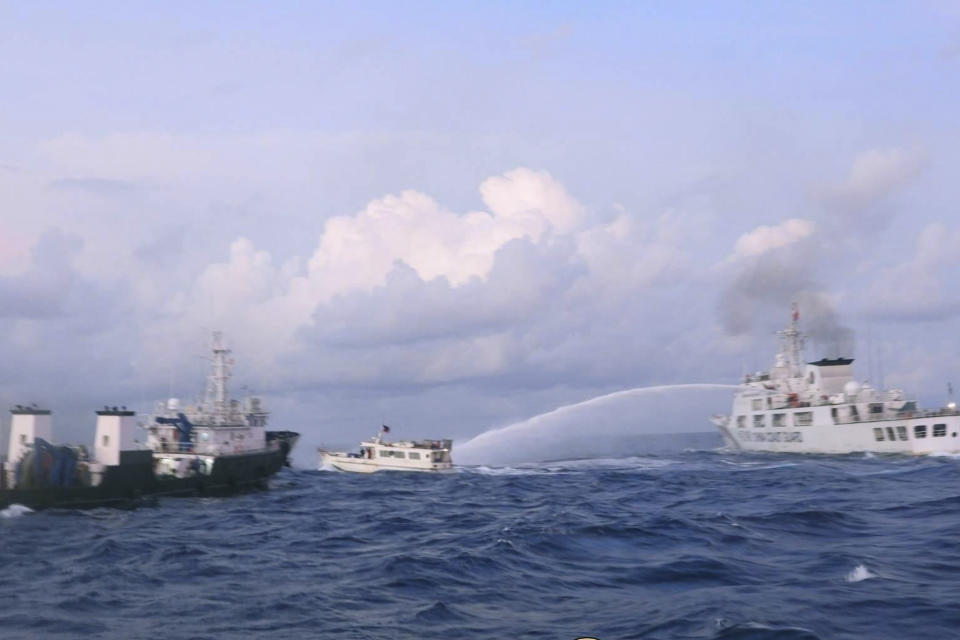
(564, 430)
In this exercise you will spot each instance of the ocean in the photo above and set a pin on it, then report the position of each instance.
(673, 542)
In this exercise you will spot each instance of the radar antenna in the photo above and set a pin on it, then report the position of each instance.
(791, 345)
(216, 401)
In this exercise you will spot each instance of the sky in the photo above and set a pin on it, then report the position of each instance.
(449, 217)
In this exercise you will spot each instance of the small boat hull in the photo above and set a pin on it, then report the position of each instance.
(343, 462)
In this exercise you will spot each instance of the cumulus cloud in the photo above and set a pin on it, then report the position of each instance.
(42, 289)
(629, 252)
(921, 286)
(771, 268)
(769, 237)
(358, 251)
(406, 291)
(874, 175)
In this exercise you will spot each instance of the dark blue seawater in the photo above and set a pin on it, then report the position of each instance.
(671, 544)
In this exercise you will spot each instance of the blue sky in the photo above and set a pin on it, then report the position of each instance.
(633, 167)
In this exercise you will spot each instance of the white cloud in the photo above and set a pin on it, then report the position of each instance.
(408, 291)
(874, 175)
(630, 252)
(766, 238)
(920, 287)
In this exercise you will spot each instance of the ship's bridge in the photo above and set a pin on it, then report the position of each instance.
(827, 377)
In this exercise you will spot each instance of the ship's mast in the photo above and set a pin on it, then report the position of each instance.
(217, 399)
(791, 345)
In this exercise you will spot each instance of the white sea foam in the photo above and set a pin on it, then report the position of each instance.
(326, 466)
(15, 511)
(567, 466)
(944, 454)
(630, 462)
(758, 466)
(860, 573)
(500, 471)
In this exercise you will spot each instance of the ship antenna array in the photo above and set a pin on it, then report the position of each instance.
(792, 343)
(216, 399)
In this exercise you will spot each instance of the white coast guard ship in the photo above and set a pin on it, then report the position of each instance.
(818, 407)
(376, 454)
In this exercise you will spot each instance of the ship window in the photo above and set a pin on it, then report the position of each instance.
(414, 455)
(399, 454)
(902, 433)
(757, 404)
(939, 430)
(813, 378)
(803, 418)
(920, 431)
(758, 421)
(890, 433)
(779, 420)
(23, 438)
(878, 434)
(741, 422)
(876, 407)
(106, 440)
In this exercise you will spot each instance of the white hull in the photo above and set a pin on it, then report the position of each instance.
(342, 462)
(824, 436)
(818, 407)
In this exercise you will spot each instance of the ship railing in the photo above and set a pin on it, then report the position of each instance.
(177, 447)
(898, 415)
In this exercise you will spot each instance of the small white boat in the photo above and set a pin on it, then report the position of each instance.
(378, 455)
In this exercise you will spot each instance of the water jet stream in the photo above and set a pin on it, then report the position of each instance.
(528, 428)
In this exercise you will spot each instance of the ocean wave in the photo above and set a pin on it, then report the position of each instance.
(859, 573)
(641, 546)
(15, 511)
(760, 631)
(628, 463)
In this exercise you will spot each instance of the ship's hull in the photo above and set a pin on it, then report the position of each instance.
(919, 435)
(128, 484)
(366, 465)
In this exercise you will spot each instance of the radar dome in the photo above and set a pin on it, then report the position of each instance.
(852, 388)
(173, 404)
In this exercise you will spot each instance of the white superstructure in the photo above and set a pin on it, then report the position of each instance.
(818, 407)
(187, 438)
(26, 425)
(377, 454)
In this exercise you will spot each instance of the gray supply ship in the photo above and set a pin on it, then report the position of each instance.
(217, 447)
